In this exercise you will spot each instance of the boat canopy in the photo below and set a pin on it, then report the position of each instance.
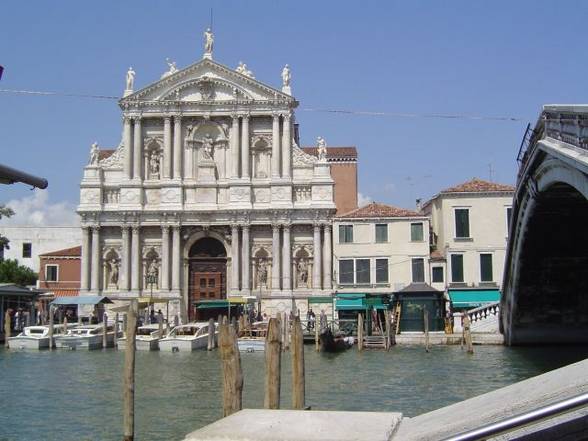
(81, 300)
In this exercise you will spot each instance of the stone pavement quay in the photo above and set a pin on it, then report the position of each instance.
(440, 338)
(527, 395)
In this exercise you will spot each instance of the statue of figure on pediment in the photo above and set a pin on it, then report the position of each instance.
(302, 274)
(130, 78)
(242, 69)
(207, 147)
(94, 154)
(321, 147)
(172, 69)
(208, 42)
(286, 76)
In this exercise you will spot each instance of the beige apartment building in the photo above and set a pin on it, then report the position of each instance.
(469, 225)
(379, 248)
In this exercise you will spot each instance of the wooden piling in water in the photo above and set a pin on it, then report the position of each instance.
(51, 340)
(298, 375)
(317, 343)
(129, 374)
(232, 373)
(104, 330)
(286, 333)
(125, 318)
(8, 327)
(388, 325)
(426, 326)
(115, 343)
(468, 333)
(273, 363)
(210, 346)
(360, 332)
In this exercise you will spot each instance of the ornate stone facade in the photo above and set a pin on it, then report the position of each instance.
(208, 187)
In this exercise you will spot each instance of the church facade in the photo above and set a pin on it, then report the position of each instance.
(208, 196)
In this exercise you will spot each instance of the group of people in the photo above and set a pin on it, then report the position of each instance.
(311, 319)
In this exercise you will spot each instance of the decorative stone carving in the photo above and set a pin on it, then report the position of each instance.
(302, 193)
(302, 159)
(114, 161)
(94, 154)
(206, 89)
(111, 196)
(261, 195)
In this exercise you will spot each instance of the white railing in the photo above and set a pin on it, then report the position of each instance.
(483, 312)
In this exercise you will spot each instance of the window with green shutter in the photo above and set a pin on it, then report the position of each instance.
(418, 270)
(437, 274)
(381, 233)
(346, 272)
(462, 223)
(381, 270)
(345, 233)
(457, 268)
(362, 271)
(416, 232)
(486, 268)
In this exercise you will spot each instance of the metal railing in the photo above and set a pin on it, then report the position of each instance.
(523, 420)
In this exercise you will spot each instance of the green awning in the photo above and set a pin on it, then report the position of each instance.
(210, 304)
(350, 302)
(320, 299)
(376, 302)
(473, 298)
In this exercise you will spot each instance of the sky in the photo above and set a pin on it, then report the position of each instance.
(473, 58)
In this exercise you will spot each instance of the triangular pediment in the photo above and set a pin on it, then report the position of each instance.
(207, 81)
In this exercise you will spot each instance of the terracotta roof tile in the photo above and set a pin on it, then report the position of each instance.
(67, 252)
(334, 152)
(376, 210)
(478, 186)
(103, 154)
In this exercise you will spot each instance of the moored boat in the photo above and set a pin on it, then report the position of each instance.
(188, 337)
(334, 343)
(252, 339)
(85, 337)
(147, 338)
(35, 337)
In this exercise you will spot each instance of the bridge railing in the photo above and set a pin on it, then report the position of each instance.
(483, 312)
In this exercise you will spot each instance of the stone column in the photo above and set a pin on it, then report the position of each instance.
(276, 146)
(125, 271)
(327, 258)
(234, 258)
(275, 257)
(286, 262)
(135, 260)
(176, 258)
(177, 147)
(128, 141)
(165, 257)
(316, 262)
(246, 285)
(95, 268)
(235, 147)
(137, 150)
(245, 147)
(286, 147)
(167, 148)
(85, 282)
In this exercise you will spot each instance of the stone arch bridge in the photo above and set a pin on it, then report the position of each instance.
(545, 285)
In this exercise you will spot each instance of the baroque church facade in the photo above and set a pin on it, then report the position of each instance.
(208, 196)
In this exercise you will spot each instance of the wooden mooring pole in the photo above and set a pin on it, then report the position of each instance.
(210, 346)
(298, 380)
(468, 333)
(51, 314)
(115, 342)
(359, 332)
(232, 373)
(8, 327)
(316, 337)
(273, 363)
(129, 374)
(388, 325)
(104, 331)
(426, 326)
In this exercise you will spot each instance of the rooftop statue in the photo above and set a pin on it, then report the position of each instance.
(208, 42)
(94, 154)
(130, 78)
(321, 148)
(286, 76)
(242, 69)
(172, 69)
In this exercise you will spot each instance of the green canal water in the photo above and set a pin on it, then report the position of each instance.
(75, 395)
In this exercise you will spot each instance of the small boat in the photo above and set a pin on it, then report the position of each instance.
(35, 337)
(147, 338)
(85, 337)
(334, 343)
(185, 338)
(253, 339)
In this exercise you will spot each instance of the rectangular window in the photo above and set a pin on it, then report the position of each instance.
(418, 270)
(27, 249)
(462, 223)
(508, 217)
(51, 273)
(416, 232)
(457, 268)
(381, 270)
(362, 271)
(486, 268)
(345, 233)
(346, 272)
(381, 233)
(437, 274)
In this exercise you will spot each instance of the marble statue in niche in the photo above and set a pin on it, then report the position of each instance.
(262, 272)
(302, 273)
(154, 167)
(207, 147)
(114, 271)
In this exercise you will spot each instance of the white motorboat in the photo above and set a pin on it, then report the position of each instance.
(85, 337)
(147, 338)
(35, 337)
(252, 339)
(187, 337)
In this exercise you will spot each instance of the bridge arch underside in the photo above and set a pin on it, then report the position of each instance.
(551, 295)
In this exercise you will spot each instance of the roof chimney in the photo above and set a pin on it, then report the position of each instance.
(419, 205)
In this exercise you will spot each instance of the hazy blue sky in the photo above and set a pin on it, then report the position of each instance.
(498, 58)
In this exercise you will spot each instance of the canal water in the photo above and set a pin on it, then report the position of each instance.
(76, 395)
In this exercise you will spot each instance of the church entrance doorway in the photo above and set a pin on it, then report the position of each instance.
(208, 275)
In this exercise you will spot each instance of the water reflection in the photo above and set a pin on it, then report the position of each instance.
(75, 395)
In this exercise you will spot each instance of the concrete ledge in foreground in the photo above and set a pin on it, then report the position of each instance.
(300, 425)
